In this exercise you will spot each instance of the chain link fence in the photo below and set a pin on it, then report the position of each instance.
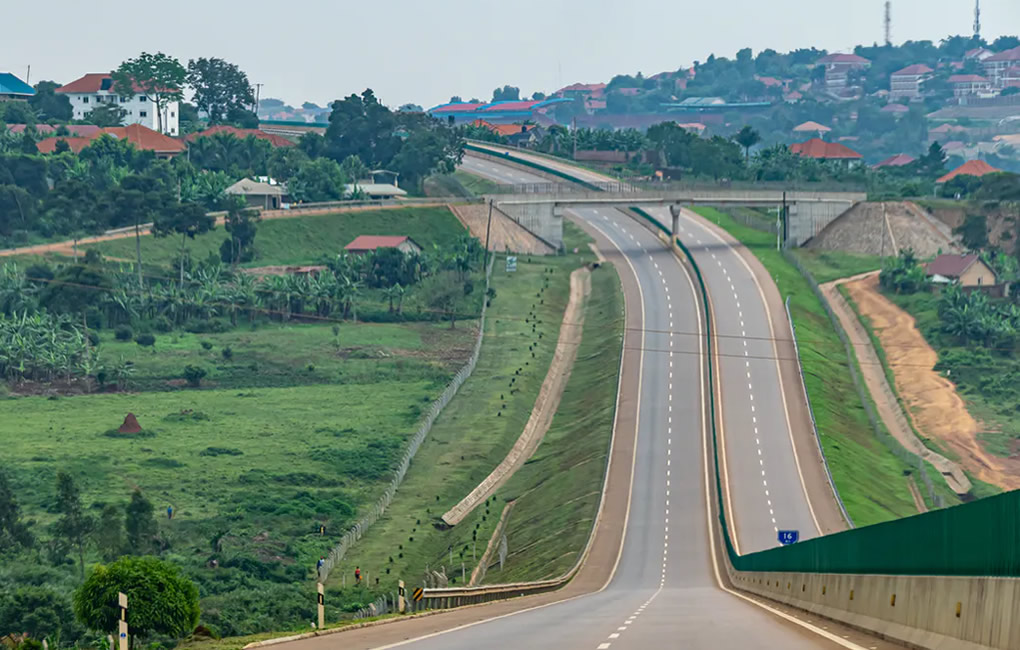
(908, 458)
(355, 532)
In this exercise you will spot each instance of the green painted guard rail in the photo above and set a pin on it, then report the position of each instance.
(981, 538)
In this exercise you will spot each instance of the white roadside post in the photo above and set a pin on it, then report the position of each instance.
(123, 632)
(401, 605)
(322, 606)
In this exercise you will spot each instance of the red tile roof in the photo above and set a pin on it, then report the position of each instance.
(966, 79)
(969, 168)
(581, 88)
(143, 138)
(817, 148)
(372, 242)
(895, 108)
(898, 160)
(912, 70)
(275, 140)
(843, 58)
(457, 108)
(92, 82)
(504, 129)
(1008, 55)
(950, 266)
(75, 130)
(509, 106)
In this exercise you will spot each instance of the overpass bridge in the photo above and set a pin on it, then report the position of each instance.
(539, 206)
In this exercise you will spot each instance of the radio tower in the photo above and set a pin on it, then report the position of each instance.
(977, 18)
(888, 22)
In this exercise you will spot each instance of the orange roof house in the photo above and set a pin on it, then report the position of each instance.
(969, 168)
(143, 138)
(822, 150)
(241, 134)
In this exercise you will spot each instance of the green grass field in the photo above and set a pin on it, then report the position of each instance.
(827, 266)
(556, 493)
(870, 479)
(474, 433)
(303, 239)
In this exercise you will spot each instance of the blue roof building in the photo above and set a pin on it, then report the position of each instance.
(13, 88)
(503, 111)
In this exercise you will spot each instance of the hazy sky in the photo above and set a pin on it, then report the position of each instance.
(424, 52)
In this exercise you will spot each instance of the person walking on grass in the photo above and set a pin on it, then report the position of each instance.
(169, 512)
(357, 575)
(318, 565)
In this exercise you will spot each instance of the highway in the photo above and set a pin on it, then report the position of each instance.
(666, 589)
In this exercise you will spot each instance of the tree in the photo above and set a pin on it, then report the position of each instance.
(220, 87)
(158, 76)
(13, 532)
(933, 163)
(110, 533)
(140, 198)
(38, 611)
(160, 599)
(187, 220)
(1012, 90)
(506, 94)
(747, 137)
(411, 108)
(443, 293)
(17, 113)
(353, 169)
(106, 115)
(139, 524)
(74, 209)
(974, 231)
(48, 105)
(240, 223)
(74, 525)
(318, 180)
(1004, 43)
(283, 162)
(362, 126)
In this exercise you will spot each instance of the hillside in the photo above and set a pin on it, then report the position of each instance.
(884, 229)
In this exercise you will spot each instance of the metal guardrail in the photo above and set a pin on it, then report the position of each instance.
(811, 412)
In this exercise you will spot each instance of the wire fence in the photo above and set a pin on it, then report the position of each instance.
(355, 532)
(906, 456)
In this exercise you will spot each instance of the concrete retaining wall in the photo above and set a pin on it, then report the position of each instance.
(930, 612)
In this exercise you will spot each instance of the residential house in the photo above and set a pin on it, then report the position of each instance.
(899, 160)
(696, 128)
(584, 91)
(526, 135)
(14, 89)
(906, 83)
(142, 137)
(376, 191)
(95, 89)
(368, 243)
(965, 85)
(968, 271)
(996, 65)
(241, 134)
(812, 127)
(257, 194)
(897, 110)
(821, 150)
(838, 68)
(969, 168)
(1011, 77)
(978, 54)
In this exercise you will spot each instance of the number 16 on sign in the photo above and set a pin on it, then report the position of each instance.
(787, 537)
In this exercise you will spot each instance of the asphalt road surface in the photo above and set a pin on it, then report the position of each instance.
(665, 591)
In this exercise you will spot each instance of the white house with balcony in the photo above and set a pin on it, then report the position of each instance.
(96, 89)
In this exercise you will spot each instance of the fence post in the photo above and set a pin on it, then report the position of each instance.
(322, 605)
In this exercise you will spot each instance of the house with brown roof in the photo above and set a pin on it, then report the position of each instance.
(899, 160)
(96, 89)
(838, 68)
(811, 127)
(969, 168)
(821, 150)
(258, 194)
(969, 84)
(143, 139)
(996, 65)
(241, 134)
(369, 243)
(964, 270)
(906, 83)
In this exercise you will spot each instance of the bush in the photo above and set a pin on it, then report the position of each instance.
(162, 324)
(220, 451)
(194, 375)
(227, 353)
(123, 333)
(206, 345)
(209, 326)
(145, 340)
(93, 338)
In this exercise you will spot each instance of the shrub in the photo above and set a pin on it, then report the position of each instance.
(206, 345)
(220, 451)
(208, 326)
(123, 333)
(145, 340)
(194, 375)
(93, 338)
(162, 324)
(227, 353)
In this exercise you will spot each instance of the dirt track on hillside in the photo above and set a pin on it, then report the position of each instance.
(931, 400)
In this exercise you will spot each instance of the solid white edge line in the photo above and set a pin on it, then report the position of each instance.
(630, 491)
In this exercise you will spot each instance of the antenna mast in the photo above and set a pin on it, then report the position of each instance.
(977, 18)
(888, 22)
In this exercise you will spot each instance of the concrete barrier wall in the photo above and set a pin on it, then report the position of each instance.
(931, 612)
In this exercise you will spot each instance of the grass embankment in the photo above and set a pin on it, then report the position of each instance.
(870, 479)
(827, 266)
(302, 239)
(556, 494)
(474, 433)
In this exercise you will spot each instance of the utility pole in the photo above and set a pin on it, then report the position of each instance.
(258, 97)
(573, 126)
(28, 75)
(888, 22)
(485, 266)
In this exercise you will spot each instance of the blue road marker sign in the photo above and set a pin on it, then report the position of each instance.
(787, 537)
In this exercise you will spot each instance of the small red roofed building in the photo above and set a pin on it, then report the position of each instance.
(821, 150)
(965, 85)
(811, 127)
(969, 168)
(996, 65)
(968, 271)
(143, 139)
(899, 160)
(241, 134)
(369, 243)
(978, 54)
(906, 83)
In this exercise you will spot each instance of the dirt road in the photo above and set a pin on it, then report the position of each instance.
(933, 404)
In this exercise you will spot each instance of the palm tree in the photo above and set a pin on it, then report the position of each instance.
(747, 137)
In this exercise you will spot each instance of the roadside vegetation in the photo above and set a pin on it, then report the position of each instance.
(868, 476)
